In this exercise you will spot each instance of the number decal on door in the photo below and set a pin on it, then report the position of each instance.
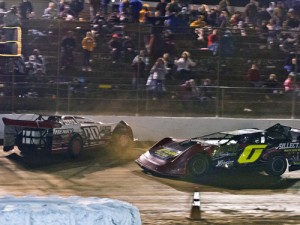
(251, 153)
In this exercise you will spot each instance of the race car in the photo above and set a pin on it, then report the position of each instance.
(63, 133)
(271, 150)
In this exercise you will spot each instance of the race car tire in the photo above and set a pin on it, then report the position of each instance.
(75, 147)
(276, 165)
(198, 166)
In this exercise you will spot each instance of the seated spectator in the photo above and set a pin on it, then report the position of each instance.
(184, 64)
(26, 9)
(272, 86)
(189, 90)
(51, 11)
(115, 47)
(253, 76)
(290, 84)
(36, 63)
(128, 48)
(206, 91)
(11, 18)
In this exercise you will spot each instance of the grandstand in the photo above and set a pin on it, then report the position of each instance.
(108, 88)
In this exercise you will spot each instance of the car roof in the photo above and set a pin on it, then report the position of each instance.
(242, 131)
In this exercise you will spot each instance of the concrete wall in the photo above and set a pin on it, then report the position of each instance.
(155, 128)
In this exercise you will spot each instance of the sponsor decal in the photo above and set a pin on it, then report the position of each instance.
(289, 147)
(251, 153)
(165, 153)
(226, 150)
(225, 164)
(63, 131)
(295, 159)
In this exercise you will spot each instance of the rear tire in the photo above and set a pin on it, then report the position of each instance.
(276, 165)
(198, 166)
(75, 147)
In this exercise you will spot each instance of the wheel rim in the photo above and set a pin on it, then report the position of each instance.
(198, 166)
(278, 165)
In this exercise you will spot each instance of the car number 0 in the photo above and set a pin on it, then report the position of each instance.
(251, 153)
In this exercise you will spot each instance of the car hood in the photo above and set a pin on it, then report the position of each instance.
(175, 148)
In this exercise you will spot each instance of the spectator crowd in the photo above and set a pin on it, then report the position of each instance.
(160, 60)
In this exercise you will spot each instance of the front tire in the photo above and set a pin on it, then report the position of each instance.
(276, 165)
(198, 166)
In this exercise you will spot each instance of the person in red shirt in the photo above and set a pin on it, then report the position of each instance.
(253, 76)
(213, 41)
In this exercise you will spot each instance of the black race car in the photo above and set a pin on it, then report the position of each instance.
(272, 149)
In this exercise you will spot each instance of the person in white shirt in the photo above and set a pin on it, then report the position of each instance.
(184, 64)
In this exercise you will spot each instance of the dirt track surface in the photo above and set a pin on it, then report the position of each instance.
(226, 198)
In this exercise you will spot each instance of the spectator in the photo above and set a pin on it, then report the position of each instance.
(36, 63)
(280, 12)
(139, 64)
(157, 78)
(94, 6)
(173, 7)
(124, 7)
(135, 8)
(206, 92)
(128, 48)
(88, 44)
(144, 13)
(200, 22)
(251, 13)
(25, 9)
(184, 64)
(51, 11)
(212, 17)
(161, 7)
(223, 6)
(76, 6)
(189, 90)
(62, 8)
(253, 76)
(156, 40)
(115, 46)
(272, 85)
(290, 84)
(169, 64)
(11, 18)
(68, 45)
(213, 41)
(105, 4)
(223, 20)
